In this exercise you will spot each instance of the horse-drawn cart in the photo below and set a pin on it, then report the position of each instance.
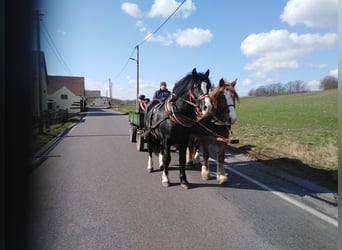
(136, 120)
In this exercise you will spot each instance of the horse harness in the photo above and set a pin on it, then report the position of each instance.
(185, 121)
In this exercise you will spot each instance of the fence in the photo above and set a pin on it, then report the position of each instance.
(50, 117)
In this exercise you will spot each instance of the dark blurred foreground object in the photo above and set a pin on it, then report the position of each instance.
(17, 17)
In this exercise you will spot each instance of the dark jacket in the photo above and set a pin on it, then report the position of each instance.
(161, 95)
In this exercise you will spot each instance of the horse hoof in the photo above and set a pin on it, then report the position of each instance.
(165, 183)
(222, 179)
(184, 186)
(205, 176)
(205, 173)
(149, 170)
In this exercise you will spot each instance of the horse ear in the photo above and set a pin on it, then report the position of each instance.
(221, 83)
(234, 82)
(194, 72)
(207, 73)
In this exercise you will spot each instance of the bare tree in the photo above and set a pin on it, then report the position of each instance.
(279, 89)
(329, 82)
(251, 92)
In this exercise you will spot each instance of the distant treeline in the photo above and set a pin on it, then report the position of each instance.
(328, 82)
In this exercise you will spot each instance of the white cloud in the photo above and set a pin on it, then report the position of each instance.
(192, 37)
(131, 9)
(165, 8)
(141, 26)
(313, 85)
(279, 49)
(334, 73)
(318, 66)
(246, 82)
(165, 40)
(184, 38)
(312, 13)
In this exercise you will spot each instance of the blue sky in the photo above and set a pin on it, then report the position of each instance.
(259, 42)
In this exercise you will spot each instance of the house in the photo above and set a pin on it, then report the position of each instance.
(94, 98)
(66, 92)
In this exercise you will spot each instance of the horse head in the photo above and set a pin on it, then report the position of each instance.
(194, 88)
(224, 99)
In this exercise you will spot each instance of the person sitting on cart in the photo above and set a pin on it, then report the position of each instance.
(147, 101)
(142, 103)
(162, 94)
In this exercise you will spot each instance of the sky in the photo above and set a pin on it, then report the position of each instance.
(258, 42)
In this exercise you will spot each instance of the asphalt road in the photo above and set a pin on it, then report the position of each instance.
(92, 191)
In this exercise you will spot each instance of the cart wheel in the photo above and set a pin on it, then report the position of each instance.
(132, 134)
(140, 142)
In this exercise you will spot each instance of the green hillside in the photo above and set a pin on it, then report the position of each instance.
(299, 126)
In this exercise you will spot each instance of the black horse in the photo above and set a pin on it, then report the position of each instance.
(170, 123)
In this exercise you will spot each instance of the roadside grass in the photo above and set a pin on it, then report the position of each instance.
(299, 126)
(124, 108)
(51, 132)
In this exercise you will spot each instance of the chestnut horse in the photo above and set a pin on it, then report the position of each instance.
(214, 128)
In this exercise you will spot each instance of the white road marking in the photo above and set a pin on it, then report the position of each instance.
(283, 196)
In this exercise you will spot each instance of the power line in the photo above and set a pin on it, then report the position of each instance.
(123, 68)
(161, 25)
(55, 50)
(147, 37)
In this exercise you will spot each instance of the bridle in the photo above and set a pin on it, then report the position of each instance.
(181, 119)
(219, 111)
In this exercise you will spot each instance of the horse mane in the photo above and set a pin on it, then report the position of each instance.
(184, 85)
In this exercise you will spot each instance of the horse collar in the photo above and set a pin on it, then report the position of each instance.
(177, 119)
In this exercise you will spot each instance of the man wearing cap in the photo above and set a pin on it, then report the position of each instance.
(162, 94)
(142, 103)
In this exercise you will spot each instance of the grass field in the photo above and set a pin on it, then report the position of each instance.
(299, 126)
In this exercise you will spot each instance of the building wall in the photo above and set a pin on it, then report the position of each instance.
(59, 103)
(97, 101)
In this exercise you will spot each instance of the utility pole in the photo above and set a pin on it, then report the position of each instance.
(137, 102)
(110, 89)
(39, 67)
(137, 60)
(110, 93)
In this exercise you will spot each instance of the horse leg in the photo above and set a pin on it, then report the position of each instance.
(161, 153)
(205, 165)
(189, 155)
(196, 155)
(189, 152)
(220, 175)
(166, 159)
(192, 152)
(182, 158)
(150, 151)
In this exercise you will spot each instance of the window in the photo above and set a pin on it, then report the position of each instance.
(64, 97)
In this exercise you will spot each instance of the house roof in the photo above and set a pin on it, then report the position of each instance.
(74, 83)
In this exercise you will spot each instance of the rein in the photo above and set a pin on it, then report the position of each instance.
(189, 122)
(218, 137)
(178, 118)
